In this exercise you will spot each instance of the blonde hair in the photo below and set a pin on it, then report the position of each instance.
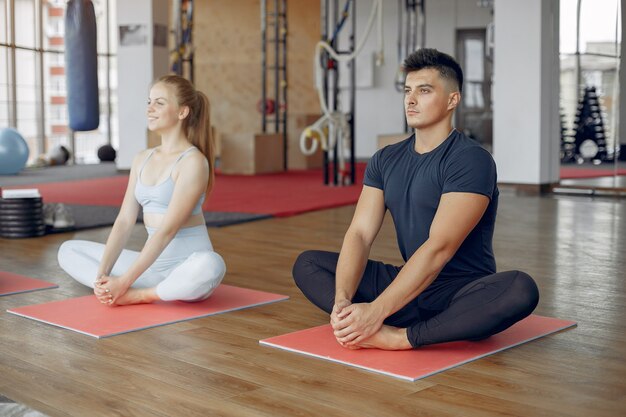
(197, 125)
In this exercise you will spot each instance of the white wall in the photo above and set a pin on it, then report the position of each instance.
(526, 91)
(137, 66)
(379, 107)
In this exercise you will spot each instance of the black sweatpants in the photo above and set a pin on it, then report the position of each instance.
(479, 309)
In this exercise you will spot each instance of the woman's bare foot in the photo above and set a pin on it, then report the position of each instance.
(387, 338)
(137, 296)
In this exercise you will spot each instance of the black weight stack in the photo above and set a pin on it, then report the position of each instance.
(21, 217)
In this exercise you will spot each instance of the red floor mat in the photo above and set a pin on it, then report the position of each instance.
(571, 173)
(11, 283)
(419, 363)
(98, 320)
(282, 194)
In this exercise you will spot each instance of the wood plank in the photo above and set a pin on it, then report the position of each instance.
(572, 246)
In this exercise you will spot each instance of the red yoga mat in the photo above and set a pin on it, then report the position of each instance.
(11, 283)
(281, 194)
(88, 316)
(419, 363)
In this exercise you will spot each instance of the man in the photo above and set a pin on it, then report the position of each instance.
(440, 188)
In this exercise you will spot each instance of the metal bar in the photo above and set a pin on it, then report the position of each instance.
(324, 24)
(263, 64)
(353, 98)
(190, 27)
(422, 43)
(335, 96)
(41, 116)
(577, 71)
(12, 70)
(47, 51)
(108, 76)
(276, 64)
(284, 86)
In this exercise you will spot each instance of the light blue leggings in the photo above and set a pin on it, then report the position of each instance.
(188, 269)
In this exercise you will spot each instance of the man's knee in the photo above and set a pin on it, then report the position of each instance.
(524, 293)
(303, 265)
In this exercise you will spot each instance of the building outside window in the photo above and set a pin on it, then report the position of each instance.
(32, 77)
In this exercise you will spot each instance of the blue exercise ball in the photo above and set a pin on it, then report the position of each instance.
(13, 151)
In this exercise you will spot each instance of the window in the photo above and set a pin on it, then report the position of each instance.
(33, 98)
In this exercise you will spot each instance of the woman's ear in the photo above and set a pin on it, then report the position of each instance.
(184, 112)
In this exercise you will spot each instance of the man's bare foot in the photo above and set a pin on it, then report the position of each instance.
(387, 338)
(138, 296)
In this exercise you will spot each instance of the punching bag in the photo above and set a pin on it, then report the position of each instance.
(81, 65)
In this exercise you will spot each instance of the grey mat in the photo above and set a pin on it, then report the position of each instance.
(61, 173)
(89, 217)
(9, 408)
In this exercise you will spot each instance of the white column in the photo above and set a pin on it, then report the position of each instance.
(526, 91)
(141, 58)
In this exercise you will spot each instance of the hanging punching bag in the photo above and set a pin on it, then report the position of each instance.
(81, 65)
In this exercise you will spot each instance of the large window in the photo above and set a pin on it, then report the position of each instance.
(589, 81)
(32, 77)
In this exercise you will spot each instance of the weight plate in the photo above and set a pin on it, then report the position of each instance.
(21, 235)
(19, 203)
(20, 217)
(22, 223)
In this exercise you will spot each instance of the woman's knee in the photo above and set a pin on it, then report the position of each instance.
(210, 263)
(66, 252)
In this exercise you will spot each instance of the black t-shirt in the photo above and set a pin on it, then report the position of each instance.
(412, 185)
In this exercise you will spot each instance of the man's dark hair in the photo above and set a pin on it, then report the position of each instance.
(431, 58)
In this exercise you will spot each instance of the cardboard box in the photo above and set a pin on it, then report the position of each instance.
(248, 154)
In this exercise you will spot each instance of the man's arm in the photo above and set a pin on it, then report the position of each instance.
(366, 222)
(457, 215)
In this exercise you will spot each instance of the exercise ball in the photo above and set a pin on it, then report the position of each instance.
(13, 151)
(106, 153)
(59, 155)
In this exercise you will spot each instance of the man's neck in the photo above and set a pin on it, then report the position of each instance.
(429, 138)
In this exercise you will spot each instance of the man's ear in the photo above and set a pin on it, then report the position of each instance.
(184, 112)
(453, 100)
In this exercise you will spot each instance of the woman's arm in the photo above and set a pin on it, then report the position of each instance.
(124, 223)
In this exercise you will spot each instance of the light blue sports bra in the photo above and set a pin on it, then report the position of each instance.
(156, 198)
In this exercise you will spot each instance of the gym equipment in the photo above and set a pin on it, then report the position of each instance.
(11, 283)
(339, 124)
(13, 151)
(588, 142)
(182, 55)
(99, 320)
(268, 107)
(411, 34)
(21, 217)
(106, 153)
(59, 155)
(81, 65)
(419, 363)
(273, 103)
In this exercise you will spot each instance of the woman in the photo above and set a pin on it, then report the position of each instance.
(170, 183)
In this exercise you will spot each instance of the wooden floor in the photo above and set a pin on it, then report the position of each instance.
(575, 247)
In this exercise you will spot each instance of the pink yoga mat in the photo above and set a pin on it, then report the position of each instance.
(419, 363)
(88, 316)
(11, 283)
